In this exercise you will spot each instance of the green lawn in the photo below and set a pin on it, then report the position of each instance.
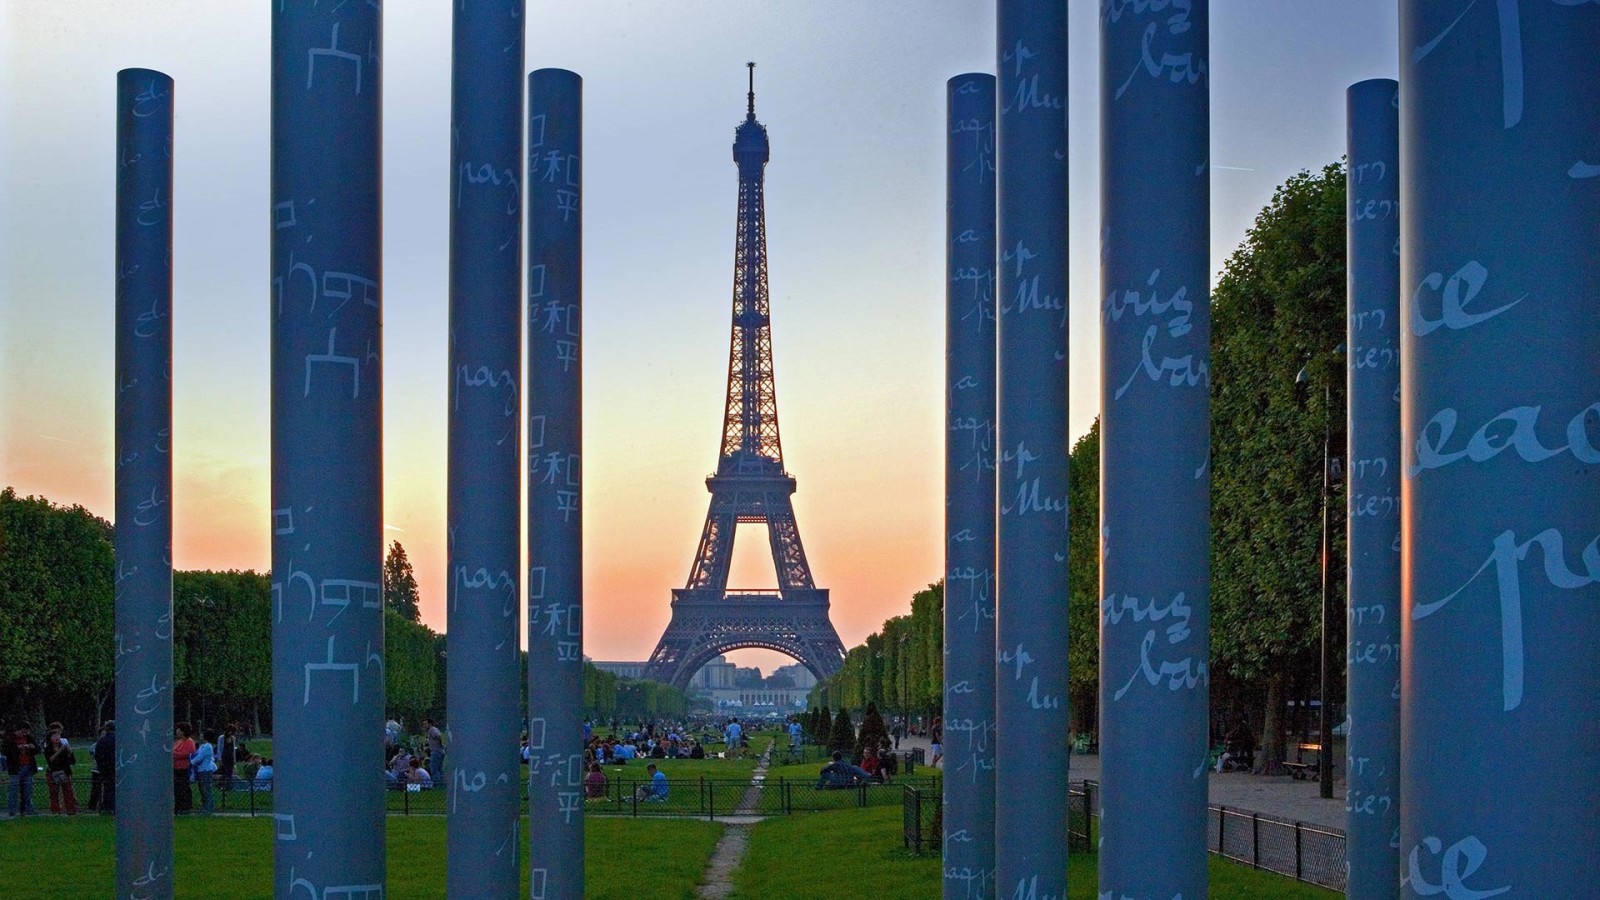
(812, 855)
(232, 857)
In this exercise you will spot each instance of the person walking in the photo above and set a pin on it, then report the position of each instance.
(103, 771)
(203, 762)
(182, 748)
(21, 755)
(58, 763)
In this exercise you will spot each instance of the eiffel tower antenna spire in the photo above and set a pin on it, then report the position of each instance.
(751, 97)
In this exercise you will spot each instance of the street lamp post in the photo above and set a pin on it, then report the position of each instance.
(1325, 708)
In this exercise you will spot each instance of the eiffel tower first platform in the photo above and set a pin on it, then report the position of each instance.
(750, 484)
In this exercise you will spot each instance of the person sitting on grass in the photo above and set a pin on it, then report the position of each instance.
(263, 779)
(872, 765)
(841, 774)
(656, 790)
(418, 775)
(594, 786)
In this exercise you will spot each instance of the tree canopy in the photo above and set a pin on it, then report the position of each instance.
(400, 591)
(1279, 306)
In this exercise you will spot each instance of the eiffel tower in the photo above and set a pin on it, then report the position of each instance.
(750, 484)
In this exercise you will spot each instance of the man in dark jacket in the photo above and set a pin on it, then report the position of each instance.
(227, 756)
(103, 773)
(21, 753)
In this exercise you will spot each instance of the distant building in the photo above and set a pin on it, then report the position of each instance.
(715, 675)
(633, 670)
(731, 687)
(802, 677)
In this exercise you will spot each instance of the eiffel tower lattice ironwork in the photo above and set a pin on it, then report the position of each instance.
(750, 484)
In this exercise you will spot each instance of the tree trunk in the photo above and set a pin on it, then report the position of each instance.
(1273, 729)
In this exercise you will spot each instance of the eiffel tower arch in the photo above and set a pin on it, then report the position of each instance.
(750, 484)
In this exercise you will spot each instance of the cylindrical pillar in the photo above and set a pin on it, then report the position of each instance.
(555, 492)
(1031, 437)
(969, 488)
(1372, 754)
(1155, 446)
(1500, 429)
(484, 681)
(143, 592)
(327, 449)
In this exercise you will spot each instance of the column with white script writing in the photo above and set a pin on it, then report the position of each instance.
(327, 449)
(485, 412)
(1500, 435)
(1031, 442)
(1155, 598)
(555, 498)
(1372, 755)
(143, 478)
(969, 489)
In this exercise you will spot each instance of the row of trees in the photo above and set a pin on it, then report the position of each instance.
(899, 668)
(57, 644)
(1278, 306)
(607, 695)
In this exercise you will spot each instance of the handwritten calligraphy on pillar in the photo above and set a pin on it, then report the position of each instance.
(1175, 61)
(1175, 309)
(1184, 673)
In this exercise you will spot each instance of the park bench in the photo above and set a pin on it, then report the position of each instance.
(1300, 770)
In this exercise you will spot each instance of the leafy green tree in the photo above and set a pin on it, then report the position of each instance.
(221, 644)
(400, 584)
(55, 605)
(874, 733)
(1083, 579)
(1279, 305)
(410, 667)
(843, 736)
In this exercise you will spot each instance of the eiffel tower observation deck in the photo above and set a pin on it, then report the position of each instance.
(750, 484)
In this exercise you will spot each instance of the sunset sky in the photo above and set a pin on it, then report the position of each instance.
(852, 92)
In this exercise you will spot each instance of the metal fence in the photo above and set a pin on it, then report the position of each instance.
(906, 761)
(923, 818)
(622, 796)
(1311, 853)
(923, 812)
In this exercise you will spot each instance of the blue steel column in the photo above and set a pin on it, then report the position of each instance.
(144, 485)
(969, 490)
(1155, 481)
(485, 683)
(1500, 428)
(327, 450)
(555, 493)
(1031, 465)
(1372, 754)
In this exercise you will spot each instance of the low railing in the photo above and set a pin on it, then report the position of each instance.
(923, 812)
(1311, 853)
(709, 798)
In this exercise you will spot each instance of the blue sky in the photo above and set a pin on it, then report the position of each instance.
(853, 96)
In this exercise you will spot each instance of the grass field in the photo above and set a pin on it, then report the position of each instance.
(232, 857)
(845, 853)
(858, 853)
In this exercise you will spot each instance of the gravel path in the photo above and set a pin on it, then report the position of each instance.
(718, 882)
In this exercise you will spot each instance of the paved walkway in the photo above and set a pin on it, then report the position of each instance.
(1277, 796)
(735, 840)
